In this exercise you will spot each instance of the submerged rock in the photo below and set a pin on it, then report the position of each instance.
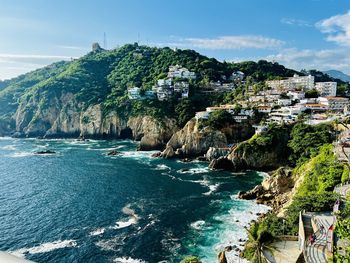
(114, 153)
(45, 152)
(156, 155)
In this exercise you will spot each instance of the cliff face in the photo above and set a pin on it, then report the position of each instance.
(262, 152)
(192, 141)
(65, 117)
(153, 134)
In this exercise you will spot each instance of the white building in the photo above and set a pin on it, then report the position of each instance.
(293, 83)
(264, 109)
(282, 115)
(180, 72)
(326, 88)
(334, 103)
(134, 93)
(164, 93)
(179, 86)
(202, 115)
(237, 76)
(163, 82)
(284, 102)
(242, 115)
(296, 95)
(318, 107)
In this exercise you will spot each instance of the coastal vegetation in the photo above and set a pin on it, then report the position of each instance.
(317, 171)
(103, 77)
(99, 82)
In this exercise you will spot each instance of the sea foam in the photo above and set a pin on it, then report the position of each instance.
(45, 247)
(128, 260)
(98, 231)
(194, 171)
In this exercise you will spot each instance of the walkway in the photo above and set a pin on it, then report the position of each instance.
(316, 252)
(284, 252)
(343, 190)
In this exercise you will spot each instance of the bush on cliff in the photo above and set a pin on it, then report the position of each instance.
(272, 142)
(219, 119)
(306, 140)
(320, 175)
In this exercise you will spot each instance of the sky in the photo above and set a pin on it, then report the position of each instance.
(300, 34)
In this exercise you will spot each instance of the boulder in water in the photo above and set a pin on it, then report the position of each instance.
(113, 153)
(156, 155)
(221, 163)
(45, 152)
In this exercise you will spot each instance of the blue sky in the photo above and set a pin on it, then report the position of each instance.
(297, 33)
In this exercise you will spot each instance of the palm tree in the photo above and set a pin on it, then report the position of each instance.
(258, 241)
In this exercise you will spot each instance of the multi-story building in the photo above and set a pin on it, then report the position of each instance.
(264, 109)
(293, 83)
(296, 95)
(164, 93)
(180, 72)
(326, 88)
(163, 82)
(316, 107)
(284, 102)
(334, 103)
(283, 115)
(242, 115)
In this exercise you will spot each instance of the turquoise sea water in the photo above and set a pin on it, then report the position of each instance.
(80, 205)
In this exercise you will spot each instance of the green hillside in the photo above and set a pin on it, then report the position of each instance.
(102, 77)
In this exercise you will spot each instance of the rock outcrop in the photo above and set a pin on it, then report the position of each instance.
(192, 141)
(262, 152)
(215, 153)
(275, 190)
(152, 134)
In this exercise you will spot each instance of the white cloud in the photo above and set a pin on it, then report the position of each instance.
(31, 56)
(72, 47)
(296, 22)
(227, 42)
(314, 59)
(337, 28)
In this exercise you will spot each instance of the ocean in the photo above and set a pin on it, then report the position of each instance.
(81, 205)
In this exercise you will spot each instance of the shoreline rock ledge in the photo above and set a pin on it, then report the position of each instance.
(192, 141)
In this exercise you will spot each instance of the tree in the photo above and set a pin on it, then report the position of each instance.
(185, 110)
(258, 241)
(307, 139)
(312, 93)
(342, 89)
(218, 119)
